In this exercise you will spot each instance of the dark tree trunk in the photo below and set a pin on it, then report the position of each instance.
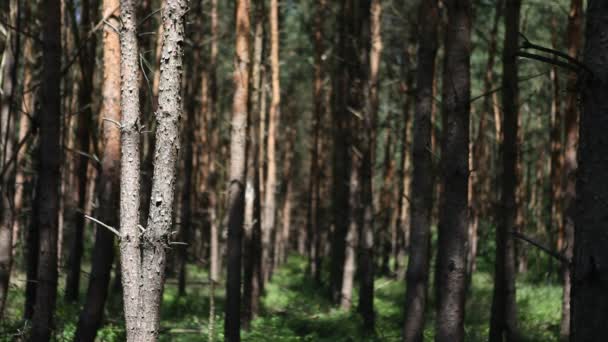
(503, 322)
(313, 218)
(589, 300)
(47, 188)
(341, 138)
(252, 243)
(237, 173)
(372, 40)
(108, 187)
(453, 222)
(84, 119)
(571, 117)
(422, 180)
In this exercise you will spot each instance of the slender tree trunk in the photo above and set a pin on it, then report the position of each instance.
(27, 109)
(346, 68)
(453, 222)
(352, 238)
(366, 239)
(108, 182)
(238, 165)
(422, 180)
(270, 202)
(84, 119)
(252, 243)
(47, 191)
(10, 62)
(571, 118)
(212, 202)
(503, 323)
(312, 219)
(130, 170)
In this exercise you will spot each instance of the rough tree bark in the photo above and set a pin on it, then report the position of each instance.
(453, 221)
(47, 188)
(143, 253)
(237, 172)
(108, 187)
(422, 180)
(503, 321)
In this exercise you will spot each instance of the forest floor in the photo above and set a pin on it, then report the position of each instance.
(294, 309)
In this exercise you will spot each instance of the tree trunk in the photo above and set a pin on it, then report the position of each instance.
(313, 220)
(237, 173)
(352, 238)
(453, 222)
(588, 279)
(422, 180)
(130, 170)
(366, 239)
(571, 118)
(346, 70)
(10, 63)
(270, 202)
(503, 322)
(84, 119)
(143, 254)
(108, 183)
(252, 243)
(47, 189)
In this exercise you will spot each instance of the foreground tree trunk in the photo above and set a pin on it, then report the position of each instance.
(571, 113)
(422, 181)
(108, 187)
(143, 254)
(10, 65)
(237, 173)
(453, 222)
(503, 323)
(589, 300)
(47, 188)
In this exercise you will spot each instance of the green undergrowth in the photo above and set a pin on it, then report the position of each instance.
(294, 308)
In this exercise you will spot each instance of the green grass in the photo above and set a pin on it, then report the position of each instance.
(294, 309)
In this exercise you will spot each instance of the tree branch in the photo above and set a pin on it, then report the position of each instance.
(562, 258)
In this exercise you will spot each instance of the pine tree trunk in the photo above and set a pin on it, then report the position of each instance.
(571, 118)
(84, 120)
(237, 172)
(252, 243)
(47, 189)
(588, 276)
(453, 221)
(366, 238)
(10, 63)
(270, 202)
(422, 180)
(503, 322)
(108, 183)
(312, 220)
